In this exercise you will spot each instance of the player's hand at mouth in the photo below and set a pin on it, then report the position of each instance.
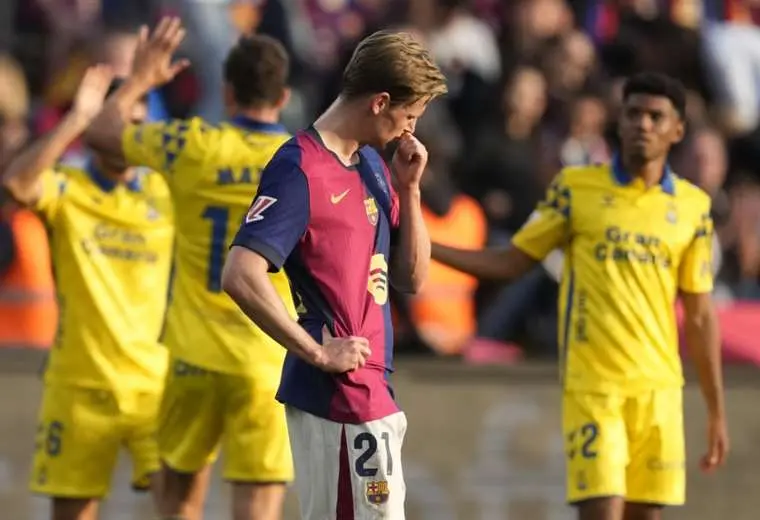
(409, 160)
(340, 355)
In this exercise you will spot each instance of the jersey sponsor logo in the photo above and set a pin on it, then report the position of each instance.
(377, 285)
(255, 213)
(377, 491)
(624, 246)
(335, 199)
(370, 206)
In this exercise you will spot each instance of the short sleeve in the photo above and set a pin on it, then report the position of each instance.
(549, 225)
(53, 187)
(175, 148)
(695, 274)
(279, 214)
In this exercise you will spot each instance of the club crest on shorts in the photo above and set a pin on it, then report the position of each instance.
(371, 208)
(377, 491)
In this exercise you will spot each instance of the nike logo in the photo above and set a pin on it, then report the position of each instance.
(337, 198)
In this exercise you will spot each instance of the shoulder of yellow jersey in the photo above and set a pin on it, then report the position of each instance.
(687, 191)
(154, 183)
(151, 182)
(580, 177)
(198, 137)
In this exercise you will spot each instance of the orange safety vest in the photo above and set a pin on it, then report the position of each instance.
(28, 309)
(444, 310)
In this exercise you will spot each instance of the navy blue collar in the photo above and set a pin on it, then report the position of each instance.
(107, 184)
(258, 126)
(667, 181)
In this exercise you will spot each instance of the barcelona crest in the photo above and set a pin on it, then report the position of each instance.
(377, 491)
(371, 208)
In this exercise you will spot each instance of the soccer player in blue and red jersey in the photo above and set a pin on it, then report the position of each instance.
(326, 211)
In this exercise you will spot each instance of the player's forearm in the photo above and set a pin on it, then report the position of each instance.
(489, 264)
(703, 340)
(254, 293)
(412, 258)
(105, 132)
(22, 175)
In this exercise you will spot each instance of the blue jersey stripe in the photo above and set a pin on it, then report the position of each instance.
(567, 321)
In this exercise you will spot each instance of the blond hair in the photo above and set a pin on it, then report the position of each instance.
(396, 63)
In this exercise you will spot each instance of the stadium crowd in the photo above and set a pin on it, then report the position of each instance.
(534, 85)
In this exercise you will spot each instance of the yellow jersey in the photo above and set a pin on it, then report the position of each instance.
(213, 173)
(111, 246)
(628, 251)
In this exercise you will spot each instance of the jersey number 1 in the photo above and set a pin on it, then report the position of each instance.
(219, 217)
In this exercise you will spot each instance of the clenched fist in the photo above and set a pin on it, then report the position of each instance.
(343, 354)
(409, 161)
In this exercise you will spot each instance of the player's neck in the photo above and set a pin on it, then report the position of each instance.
(114, 174)
(340, 129)
(649, 171)
(262, 115)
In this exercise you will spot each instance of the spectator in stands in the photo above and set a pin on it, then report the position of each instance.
(28, 309)
(583, 142)
(14, 108)
(502, 165)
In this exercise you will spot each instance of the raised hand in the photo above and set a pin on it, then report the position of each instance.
(153, 65)
(92, 91)
(409, 161)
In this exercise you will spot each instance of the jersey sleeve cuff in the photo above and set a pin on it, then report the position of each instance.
(535, 255)
(275, 259)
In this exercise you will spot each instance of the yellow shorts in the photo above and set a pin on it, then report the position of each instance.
(204, 410)
(79, 435)
(625, 446)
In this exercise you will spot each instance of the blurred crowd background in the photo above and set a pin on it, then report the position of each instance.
(534, 85)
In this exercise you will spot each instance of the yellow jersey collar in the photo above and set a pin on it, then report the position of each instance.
(254, 125)
(107, 184)
(667, 181)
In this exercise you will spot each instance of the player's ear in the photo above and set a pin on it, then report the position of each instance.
(284, 98)
(229, 97)
(680, 131)
(380, 103)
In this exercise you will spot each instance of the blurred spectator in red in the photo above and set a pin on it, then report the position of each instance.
(28, 311)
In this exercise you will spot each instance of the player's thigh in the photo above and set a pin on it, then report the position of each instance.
(657, 471)
(190, 418)
(374, 460)
(596, 445)
(255, 440)
(78, 428)
(141, 423)
(317, 457)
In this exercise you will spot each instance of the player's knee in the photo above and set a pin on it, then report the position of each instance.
(74, 508)
(639, 511)
(260, 501)
(603, 508)
(181, 495)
